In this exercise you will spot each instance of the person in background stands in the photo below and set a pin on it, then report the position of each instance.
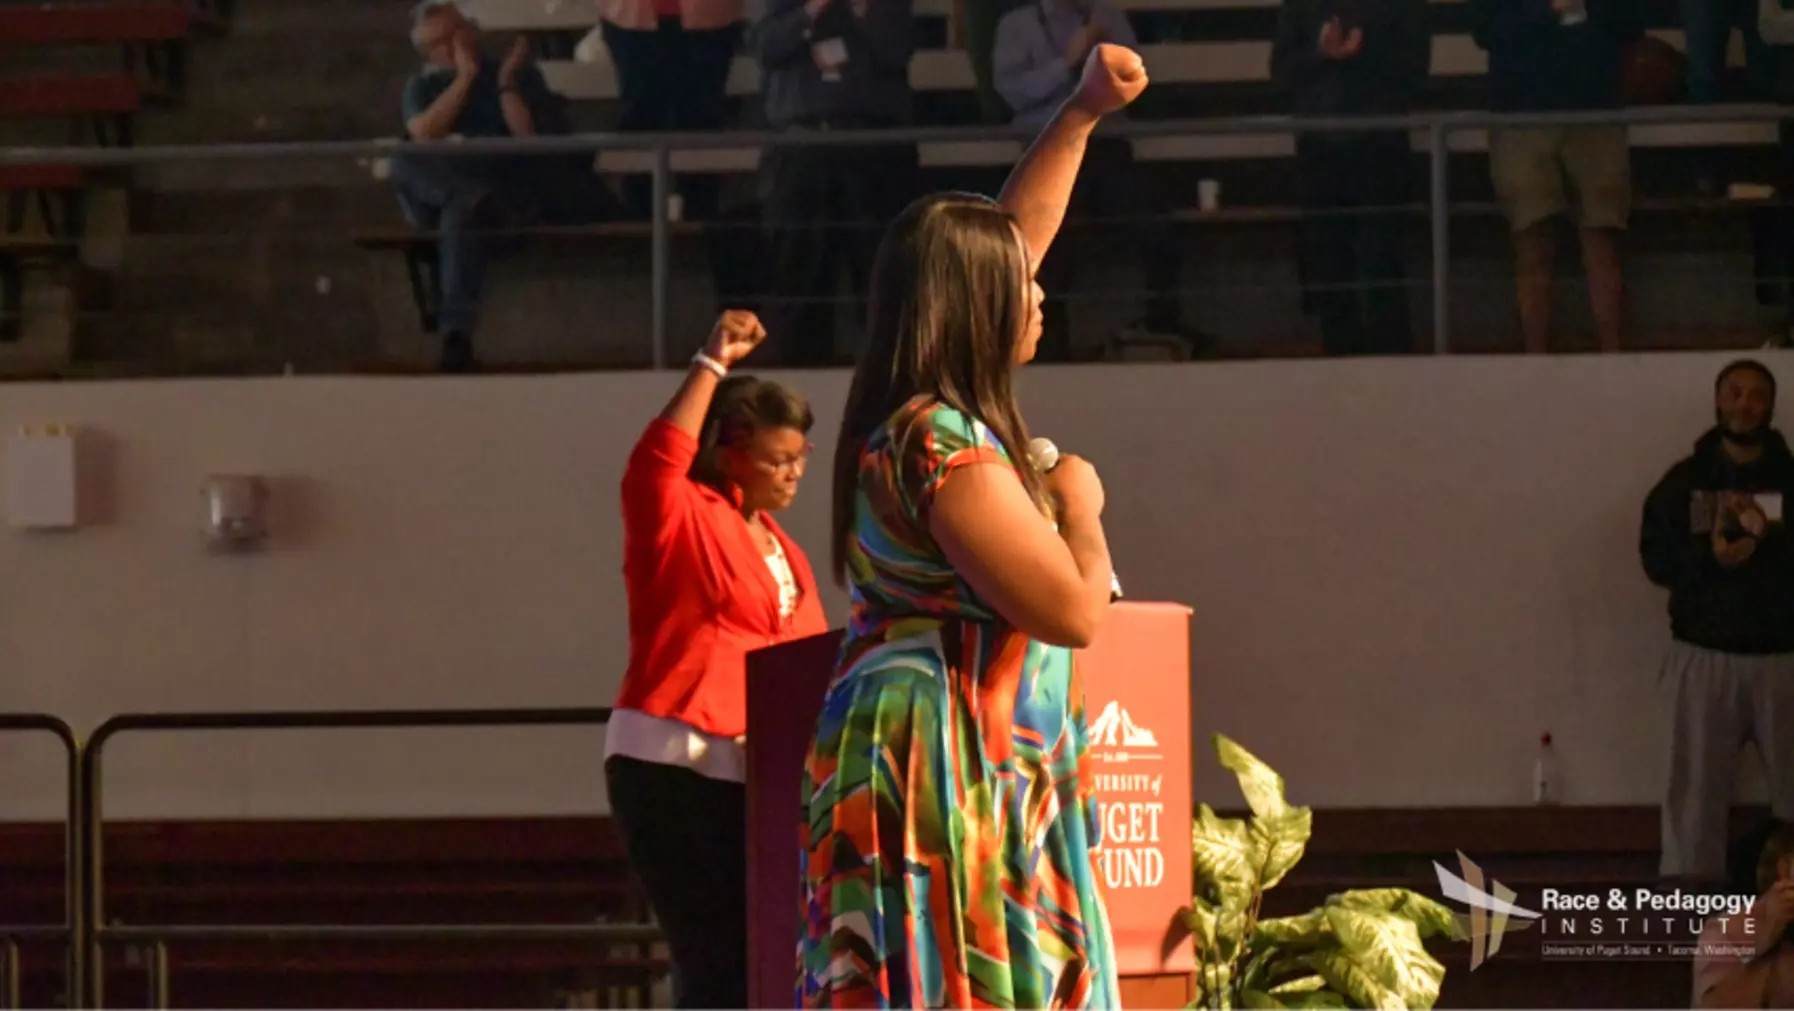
(672, 59)
(830, 65)
(1775, 228)
(973, 28)
(709, 577)
(1707, 27)
(1041, 46)
(460, 93)
(1714, 535)
(1365, 58)
(1558, 56)
(1746, 960)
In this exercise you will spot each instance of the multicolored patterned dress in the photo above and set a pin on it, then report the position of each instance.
(950, 832)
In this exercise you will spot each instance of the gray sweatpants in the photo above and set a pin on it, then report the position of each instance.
(1713, 703)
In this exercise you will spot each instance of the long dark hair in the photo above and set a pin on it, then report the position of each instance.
(948, 304)
(742, 406)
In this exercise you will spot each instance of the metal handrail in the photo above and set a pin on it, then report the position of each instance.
(69, 931)
(579, 143)
(1438, 127)
(93, 931)
(158, 936)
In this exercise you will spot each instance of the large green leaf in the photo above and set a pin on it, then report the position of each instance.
(1351, 981)
(1280, 840)
(1222, 850)
(1260, 999)
(1200, 917)
(1388, 946)
(1216, 985)
(1287, 931)
(1429, 917)
(1287, 967)
(1262, 786)
(1315, 999)
(1302, 985)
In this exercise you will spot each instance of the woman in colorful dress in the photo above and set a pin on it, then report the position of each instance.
(710, 577)
(950, 830)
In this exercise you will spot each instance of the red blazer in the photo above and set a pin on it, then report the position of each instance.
(700, 593)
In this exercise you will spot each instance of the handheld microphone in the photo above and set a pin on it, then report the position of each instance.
(1046, 456)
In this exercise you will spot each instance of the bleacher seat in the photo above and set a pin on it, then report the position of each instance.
(97, 24)
(1209, 59)
(151, 35)
(1223, 62)
(70, 95)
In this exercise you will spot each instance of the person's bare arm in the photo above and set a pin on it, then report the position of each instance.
(1039, 188)
(737, 332)
(512, 103)
(656, 492)
(1052, 586)
(438, 119)
(518, 121)
(1744, 985)
(1737, 981)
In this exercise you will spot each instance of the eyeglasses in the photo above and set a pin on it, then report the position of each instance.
(795, 464)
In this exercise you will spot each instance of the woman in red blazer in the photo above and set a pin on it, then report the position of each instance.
(710, 577)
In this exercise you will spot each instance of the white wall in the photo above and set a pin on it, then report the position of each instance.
(1403, 571)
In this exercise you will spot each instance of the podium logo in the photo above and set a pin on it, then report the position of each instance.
(1116, 728)
(1492, 913)
(1131, 850)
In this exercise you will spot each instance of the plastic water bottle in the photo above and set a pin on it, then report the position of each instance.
(1544, 773)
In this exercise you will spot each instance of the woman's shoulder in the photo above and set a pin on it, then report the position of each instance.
(932, 428)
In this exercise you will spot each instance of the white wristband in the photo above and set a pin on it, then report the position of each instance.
(710, 363)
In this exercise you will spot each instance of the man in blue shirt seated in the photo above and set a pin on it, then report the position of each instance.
(460, 93)
(1040, 49)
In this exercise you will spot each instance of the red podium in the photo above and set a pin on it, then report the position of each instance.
(1137, 690)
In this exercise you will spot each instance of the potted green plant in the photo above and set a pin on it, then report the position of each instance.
(1360, 949)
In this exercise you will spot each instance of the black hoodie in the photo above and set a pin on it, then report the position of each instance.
(1748, 609)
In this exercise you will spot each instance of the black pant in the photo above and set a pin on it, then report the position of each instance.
(1352, 246)
(1111, 186)
(824, 208)
(673, 79)
(1772, 236)
(686, 836)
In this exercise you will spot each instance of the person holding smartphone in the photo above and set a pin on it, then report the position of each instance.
(1715, 536)
(1355, 58)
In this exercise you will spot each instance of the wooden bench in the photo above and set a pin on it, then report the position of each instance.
(1350, 848)
(58, 191)
(106, 102)
(422, 269)
(419, 246)
(466, 975)
(152, 36)
(100, 24)
(383, 871)
(20, 252)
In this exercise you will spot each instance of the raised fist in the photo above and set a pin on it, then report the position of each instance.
(736, 333)
(1113, 77)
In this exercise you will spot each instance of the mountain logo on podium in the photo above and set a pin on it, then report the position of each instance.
(1116, 728)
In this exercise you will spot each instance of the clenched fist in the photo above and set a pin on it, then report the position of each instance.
(736, 333)
(1113, 77)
